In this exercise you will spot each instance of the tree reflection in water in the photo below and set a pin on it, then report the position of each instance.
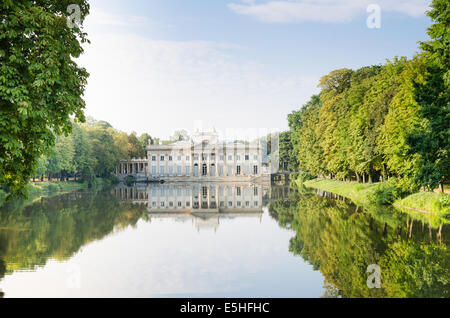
(57, 227)
(341, 240)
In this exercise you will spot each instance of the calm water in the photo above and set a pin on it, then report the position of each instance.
(272, 241)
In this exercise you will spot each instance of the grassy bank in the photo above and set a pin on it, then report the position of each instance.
(362, 194)
(37, 190)
(357, 192)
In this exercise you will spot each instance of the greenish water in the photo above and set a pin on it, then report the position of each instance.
(267, 241)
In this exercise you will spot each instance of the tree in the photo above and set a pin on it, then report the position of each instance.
(106, 153)
(83, 159)
(306, 140)
(41, 86)
(144, 140)
(437, 49)
(433, 96)
(332, 126)
(180, 135)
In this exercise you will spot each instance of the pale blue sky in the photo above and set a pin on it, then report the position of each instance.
(160, 65)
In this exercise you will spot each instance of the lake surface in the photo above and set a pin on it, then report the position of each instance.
(217, 240)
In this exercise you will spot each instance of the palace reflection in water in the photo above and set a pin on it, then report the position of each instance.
(196, 197)
(203, 203)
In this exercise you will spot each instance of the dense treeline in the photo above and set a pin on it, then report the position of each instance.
(380, 121)
(93, 149)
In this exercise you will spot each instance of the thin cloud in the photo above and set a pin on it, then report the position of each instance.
(325, 11)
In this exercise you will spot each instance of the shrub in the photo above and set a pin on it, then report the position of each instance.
(113, 179)
(387, 192)
(305, 176)
(129, 180)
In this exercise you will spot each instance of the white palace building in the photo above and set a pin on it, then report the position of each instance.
(201, 158)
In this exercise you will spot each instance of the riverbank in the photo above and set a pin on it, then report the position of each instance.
(360, 193)
(38, 190)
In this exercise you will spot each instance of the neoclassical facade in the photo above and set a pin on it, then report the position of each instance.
(203, 157)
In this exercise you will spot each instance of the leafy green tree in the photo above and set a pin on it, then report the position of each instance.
(332, 120)
(403, 119)
(433, 96)
(307, 140)
(83, 159)
(105, 151)
(41, 86)
(287, 155)
(437, 49)
(144, 140)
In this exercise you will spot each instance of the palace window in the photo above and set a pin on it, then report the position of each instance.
(204, 156)
(247, 157)
(204, 170)
(153, 158)
(256, 203)
(195, 157)
(188, 203)
(154, 204)
(205, 191)
(171, 204)
(247, 203)
(238, 203)
(162, 204)
(196, 170)
(162, 171)
(238, 157)
(179, 191)
(222, 204)
(162, 158)
(255, 169)
(179, 170)
(238, 170)
(230, 203)
(170, 158)
(196, 192)
(188, 171)
(188, 158)
(238, 191)
(179, 158)
(255, 191)
(179, 204)
(153, 171)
